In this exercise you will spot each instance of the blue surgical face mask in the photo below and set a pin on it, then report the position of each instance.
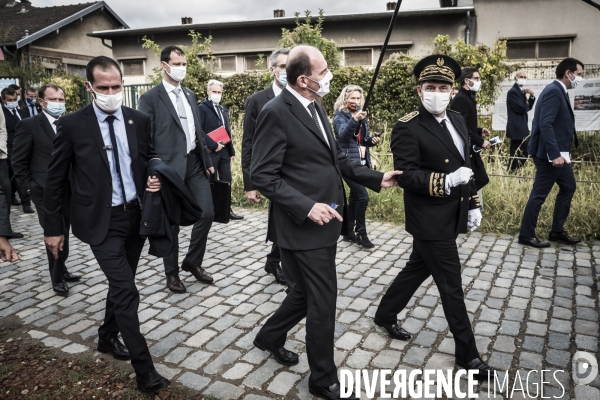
(282, 78)
(12, 105)
(30, 100)
(56, 109)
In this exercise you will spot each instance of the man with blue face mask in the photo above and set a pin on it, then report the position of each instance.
(34, 140)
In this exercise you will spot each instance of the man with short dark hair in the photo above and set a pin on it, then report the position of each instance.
(30, 104)
(104, 149)
(254, 104)
(34, 140)
(177, 135)
(550, 145)
(517, 128)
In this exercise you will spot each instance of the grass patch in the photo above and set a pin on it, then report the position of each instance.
(6, 369)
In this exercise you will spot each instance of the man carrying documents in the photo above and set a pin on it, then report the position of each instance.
(550, 144)
(215, 124)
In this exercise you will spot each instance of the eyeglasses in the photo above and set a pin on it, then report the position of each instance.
(280, 66)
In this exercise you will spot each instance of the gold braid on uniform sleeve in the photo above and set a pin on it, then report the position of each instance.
(437, 184)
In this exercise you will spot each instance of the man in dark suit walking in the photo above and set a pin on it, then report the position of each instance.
(12, 116)
(33, 145)
(31, 105)
(298, 165)
(254, 104)
(177, 136)
(213, 115)
(550, 145)
(517, 129)
(104, 149)
(431, 147)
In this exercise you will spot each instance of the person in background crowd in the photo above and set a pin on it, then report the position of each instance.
(17, 89)
(213, 115)
(517, 129)
(430, 146)
(31, 105)
(7, 252)
(178, 137)
(12, 116)
(454, 93)
(254, 104)
(103, 149)
(34, 140)
(550, 145)
(355, 146)
(464, 102)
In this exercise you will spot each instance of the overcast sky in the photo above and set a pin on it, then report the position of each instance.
(147, 13)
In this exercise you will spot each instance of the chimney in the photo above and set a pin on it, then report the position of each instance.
(391, 6)
(186, 20)
(278, 13)
(448, 3)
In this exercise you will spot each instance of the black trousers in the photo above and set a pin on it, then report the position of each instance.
(358, 202)
(518, 148)
(312, 283)
(14, 186)
(5, 183)
(118, 256)
(274, 257)
(57, 267)
(545, 177)
(440, 260)
(222, 163)
(198, 184)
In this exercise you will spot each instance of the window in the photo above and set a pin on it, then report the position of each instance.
(76, 69)
(391, 51)
(133, 67)
(251, 62)
(535, 49)
(358, 57)
(221, 63)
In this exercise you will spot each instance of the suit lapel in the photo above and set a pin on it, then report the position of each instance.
(429, 122)
(270, 93)
(164, 96)
(325, 121)
(567, 99)
(45, 124)
(302, 114)
(94, 127)
(131, 136)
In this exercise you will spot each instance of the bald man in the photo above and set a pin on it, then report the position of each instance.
(517, 107)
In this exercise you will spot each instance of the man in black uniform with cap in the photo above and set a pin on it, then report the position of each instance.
(431, 147)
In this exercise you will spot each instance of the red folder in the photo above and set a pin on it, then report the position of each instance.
(220, 135)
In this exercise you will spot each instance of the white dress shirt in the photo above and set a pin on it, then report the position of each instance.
(188, 110)
(456, 138)
(276, 89)
(51, 119)
(306, 102)
(563, 85)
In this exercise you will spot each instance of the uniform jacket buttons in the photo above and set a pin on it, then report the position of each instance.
(446, 161)
(462, 198)
(108, 184)
(145, 224)
(108, 206)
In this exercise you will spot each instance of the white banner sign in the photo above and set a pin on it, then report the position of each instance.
(585, 101)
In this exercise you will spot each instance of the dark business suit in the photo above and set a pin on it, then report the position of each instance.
(34, 141)
(221, 160)
(517, 129)
(426, 153)
(294, 167)
(28, 109)
(170, 141)
(254, 105)
(12, 119)
(464, 102)
(552, 133)
(5, 228)
(112, 232)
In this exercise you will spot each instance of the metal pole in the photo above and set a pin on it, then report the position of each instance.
(381, 55)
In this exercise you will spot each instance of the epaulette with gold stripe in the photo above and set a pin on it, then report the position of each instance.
(447, 109)
(408, 117)
(437, 184)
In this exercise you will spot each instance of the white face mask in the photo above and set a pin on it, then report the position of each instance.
(575, 82)
(215, 98)
(177, 73)
(435, 102)
(108, 102)
(323, 84)
(476, 85)
(521, 82)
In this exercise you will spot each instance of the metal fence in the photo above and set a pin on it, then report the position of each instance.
(547, 69)
(131, 95)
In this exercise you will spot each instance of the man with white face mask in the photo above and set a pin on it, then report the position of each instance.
(179, 141)
(430, 146)
(517, 128)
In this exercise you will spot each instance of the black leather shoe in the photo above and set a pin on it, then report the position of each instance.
(71, 278)
(15, 201)
(28, 210)
(61, 289)
(563, 237)
(114, 347)
(197, 271)
(394, 330)
(281, 354)
(17, 235)
(350, 238)
(233, 215)
(364, 241)
(277, 273)
(480, 365)
(151, 382)
(174, 284)
(533, 242)
(332, 392)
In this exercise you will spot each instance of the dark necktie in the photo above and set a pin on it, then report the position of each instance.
(443, 124)
(220, 115)
(33, 110)
(55, 123)
(313, 112)
(115, 152)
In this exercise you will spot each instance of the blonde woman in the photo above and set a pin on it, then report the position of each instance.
(348, 115)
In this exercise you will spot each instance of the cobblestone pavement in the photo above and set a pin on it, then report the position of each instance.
(531, 309)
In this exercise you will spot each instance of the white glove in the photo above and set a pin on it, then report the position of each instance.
(461, 176)
(474, 219)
